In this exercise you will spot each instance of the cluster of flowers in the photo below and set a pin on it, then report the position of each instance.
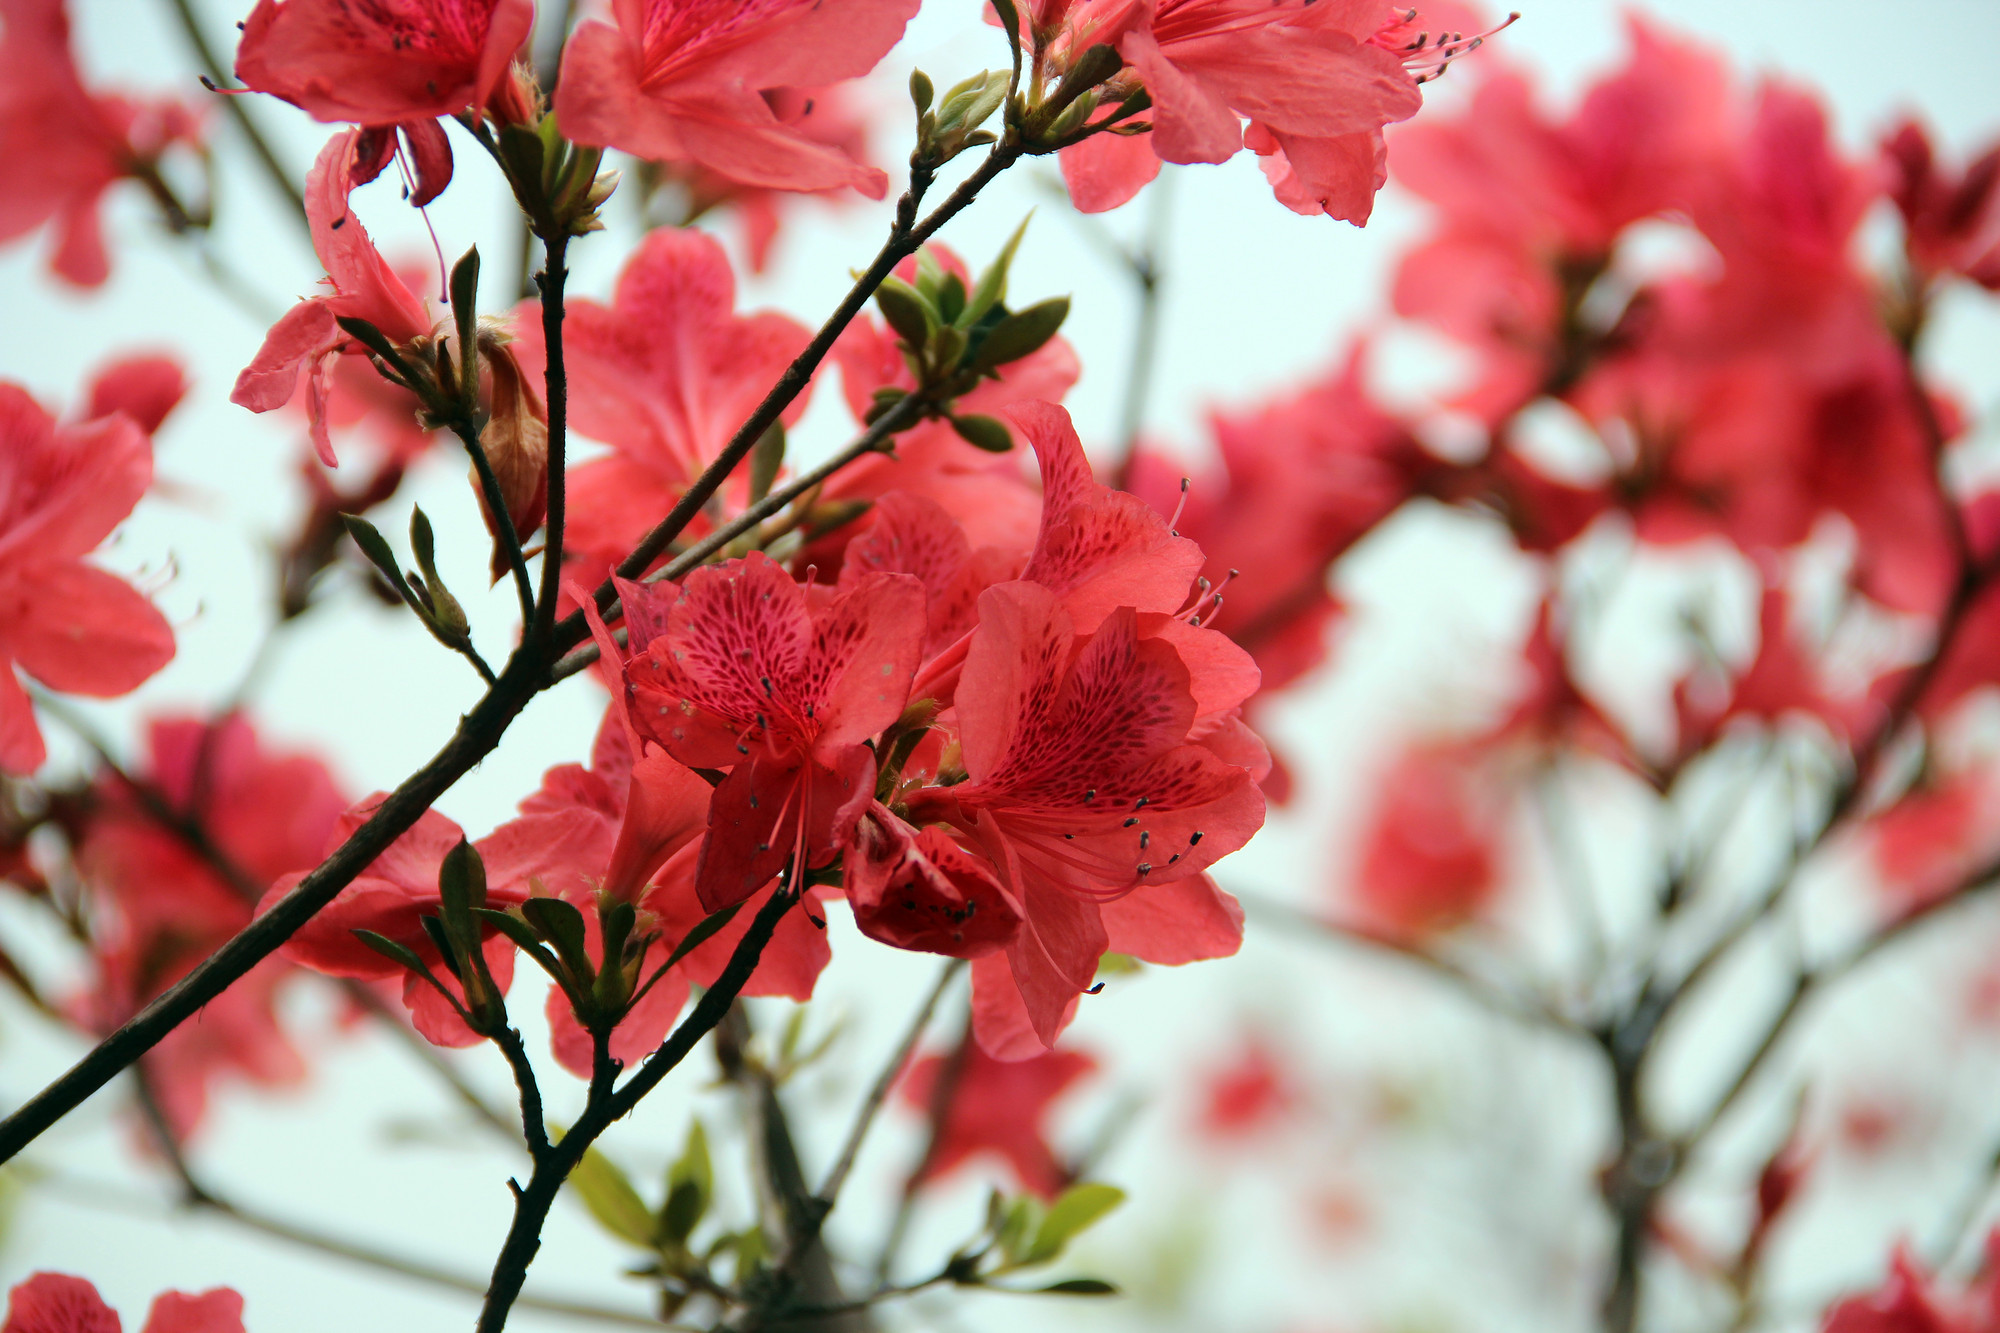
(1756, 393)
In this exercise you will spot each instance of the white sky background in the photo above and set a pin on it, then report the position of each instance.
(1256, 298)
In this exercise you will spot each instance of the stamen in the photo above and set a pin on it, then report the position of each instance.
(1175, 521)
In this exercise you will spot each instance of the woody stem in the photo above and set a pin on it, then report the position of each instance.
(606, 1103)
(554, 274)
(503, 522)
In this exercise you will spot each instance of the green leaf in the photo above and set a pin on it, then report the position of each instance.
(921, 90)
(1069, 1216)
(699, 936)
(1080, 1286)
(947, 349)
(401, 954)
(907, 310)
(991, 289)
(1011, 1236)
(465, 313)
(376, 548)
(561, 924)
(441, 940)
(988, 433)
(1010, 19)
(690, 1186)
(766, 457)
(370, 337)
(514, 928)
(951, 298)
(611, 1199)
(461, 889)
(1020, 334)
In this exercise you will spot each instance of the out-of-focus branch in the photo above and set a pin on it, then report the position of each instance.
(1525, 1009)
(217, 76)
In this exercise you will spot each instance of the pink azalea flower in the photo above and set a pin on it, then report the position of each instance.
(60, 1303)
(1950, 225)
(664, 374)
(162, 909)
(999, 1108)
(1315, 79)
(306, 339)
(62, 146)
(1298, 482)
(689, 81)
(827, 115)
(1527, 199)
(739, 668)
(70, 625)
(390, 68)
(146, 387)
(391, 897)
(1430, 851)
(1087, 796)
(382, 64)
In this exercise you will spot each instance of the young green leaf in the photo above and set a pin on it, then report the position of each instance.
(611, 1199)
(991, 288)
(1069, 1216)
(376, 548)
(907, 311)
(1021, 334)
(981, 432)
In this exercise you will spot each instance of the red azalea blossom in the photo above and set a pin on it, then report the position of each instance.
(996, 1106)
(60, 1303)
(1949, 225)
(1316, 80)
(70, 625)
(62, 146)
(687, 81)
(664, 374)
(1086, 795)
(741, 668)
(1530, 203)
(165, 908)
(1248, 1095)
(381, 62)
(1430, 851)
(388, 67)
(306, 339)
(1910, 1302)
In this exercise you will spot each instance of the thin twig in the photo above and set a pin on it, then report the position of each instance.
(605, 1104)
(1817, 979)
(503, 522)
(1524, 1009)
(829, 1190)
(93, 1194)
(274, 170)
